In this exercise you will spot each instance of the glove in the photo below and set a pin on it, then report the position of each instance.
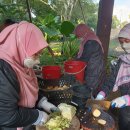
(47, 106)
(100, 96)
(121, 102)
(42, 118)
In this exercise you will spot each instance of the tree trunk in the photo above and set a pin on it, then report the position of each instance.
(104, 23)
(74, 2)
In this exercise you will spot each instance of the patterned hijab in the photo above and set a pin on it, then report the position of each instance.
(123, 75)
(84, 32)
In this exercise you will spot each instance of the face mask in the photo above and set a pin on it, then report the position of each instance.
(30, 62)
(126, 47)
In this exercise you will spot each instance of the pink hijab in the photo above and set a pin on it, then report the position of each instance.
(123, 75)
(17, 42)
(83, 31)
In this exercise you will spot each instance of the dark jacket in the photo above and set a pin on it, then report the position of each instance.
(110, 80)
(12, 115)
(124, 113)
(93, 56)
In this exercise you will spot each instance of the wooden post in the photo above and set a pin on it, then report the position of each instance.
(104, 23)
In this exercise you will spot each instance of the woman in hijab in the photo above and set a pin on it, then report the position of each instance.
(120, 80)
(91, 52)
(20, 47)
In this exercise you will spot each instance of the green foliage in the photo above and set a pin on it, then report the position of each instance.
(17, 9)
(47, 59)
(90, 11)
(60, 10)
(67, 28)
(70, 49)
(124, 23)
(50, 25)
(41, 8)
(70, 10)
(115, 22)
(50, 31)
(10, 9)
(92, 21)
(55, 18)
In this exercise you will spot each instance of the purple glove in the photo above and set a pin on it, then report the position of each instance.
(121, 102)
(101, 96)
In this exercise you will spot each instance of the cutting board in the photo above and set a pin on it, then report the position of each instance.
(113, 95)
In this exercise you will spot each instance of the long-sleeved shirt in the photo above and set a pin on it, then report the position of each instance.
(93, 56)
(11, 114)
(109, 82)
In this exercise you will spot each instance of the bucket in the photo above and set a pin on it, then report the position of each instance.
(51, 72)
(76, 68)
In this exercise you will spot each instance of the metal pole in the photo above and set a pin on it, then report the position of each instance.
(29, 11)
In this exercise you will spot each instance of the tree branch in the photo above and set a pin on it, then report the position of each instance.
(52, 7)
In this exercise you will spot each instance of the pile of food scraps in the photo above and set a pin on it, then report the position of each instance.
(62, 120)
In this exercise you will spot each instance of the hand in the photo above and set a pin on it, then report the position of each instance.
(42, 118)
(100, 96)
(121, 102)
(47, 106)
